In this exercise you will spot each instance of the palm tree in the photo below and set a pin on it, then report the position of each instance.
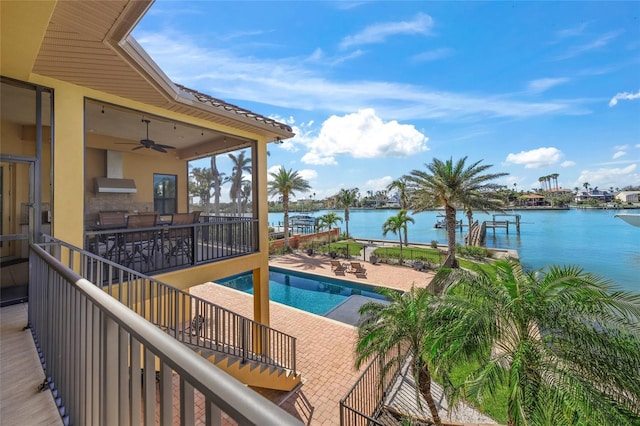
(284, 183)
(401, 186)
(396, 224)
(449, 185)
(566, 345)
(328, 220)
(403, 193)
(346, 198)
(218, 179)
(241, 164)
(200, 186)
(407, 322)
(246, 194)
(554, 176)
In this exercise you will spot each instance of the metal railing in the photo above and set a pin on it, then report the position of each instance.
(166, 247)
(188, 318)
(363, 401)
(106, 365)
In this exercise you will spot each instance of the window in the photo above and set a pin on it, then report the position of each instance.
(164, 194)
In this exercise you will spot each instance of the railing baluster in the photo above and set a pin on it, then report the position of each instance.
(109, 393)
(186, 403)
(166, 395)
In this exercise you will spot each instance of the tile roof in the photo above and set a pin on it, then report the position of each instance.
(217, 103)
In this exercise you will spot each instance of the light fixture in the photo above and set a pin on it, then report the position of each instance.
(279, 140)
(102, 109)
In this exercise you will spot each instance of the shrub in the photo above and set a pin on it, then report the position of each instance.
(434, 244)
(475, 252)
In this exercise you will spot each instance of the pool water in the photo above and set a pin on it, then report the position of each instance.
(311, 293)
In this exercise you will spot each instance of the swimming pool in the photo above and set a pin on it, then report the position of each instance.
(312, 293)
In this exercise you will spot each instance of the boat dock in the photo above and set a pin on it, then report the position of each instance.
(504, 223)
(478, 232)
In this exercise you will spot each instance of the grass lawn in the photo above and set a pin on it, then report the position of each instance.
(494, 406)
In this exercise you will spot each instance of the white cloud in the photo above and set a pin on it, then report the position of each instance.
(308, 174)
(363, 135)
(433, 55)
(598, 43)
(572, 32)
(272, 169)
(607, 177)
(543, 84)
(623, 96)
(619, 154)
(568, 163)
(378, 33)
(535, 158)
(298, 83)
(376, 184)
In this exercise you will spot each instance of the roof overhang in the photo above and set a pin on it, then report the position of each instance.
(89, 44)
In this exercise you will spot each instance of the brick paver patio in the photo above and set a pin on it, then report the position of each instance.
(325, 348)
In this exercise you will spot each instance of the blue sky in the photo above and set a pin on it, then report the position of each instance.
(374, 90)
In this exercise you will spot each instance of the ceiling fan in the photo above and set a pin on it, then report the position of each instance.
(148, 143)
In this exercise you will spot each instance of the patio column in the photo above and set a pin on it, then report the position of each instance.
(261, 295)
(68, 165)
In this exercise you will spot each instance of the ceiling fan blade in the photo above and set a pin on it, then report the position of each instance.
(165, 146)
(138, 147)
(158, 148)
(126, 143)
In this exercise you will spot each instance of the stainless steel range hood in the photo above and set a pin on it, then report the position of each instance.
(114, 182)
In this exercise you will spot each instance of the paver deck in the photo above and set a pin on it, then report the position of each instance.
(325, 348)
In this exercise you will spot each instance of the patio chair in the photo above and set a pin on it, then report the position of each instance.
(179, 239)
(337, 267)
(142, 244)
(358, 270)
(108, 245)
(112, 220)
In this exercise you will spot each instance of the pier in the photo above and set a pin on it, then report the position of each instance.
(478, 232)
(504, 223)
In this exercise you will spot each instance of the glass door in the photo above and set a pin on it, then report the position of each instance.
(16, 215)
(25, 157)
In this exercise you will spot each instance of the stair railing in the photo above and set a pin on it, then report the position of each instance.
(197, 322)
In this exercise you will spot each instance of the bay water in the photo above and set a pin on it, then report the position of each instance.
(592, 239)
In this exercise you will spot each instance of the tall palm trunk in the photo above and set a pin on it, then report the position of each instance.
(216, 185)
(285, 209)
(450, 218)
(424, 385)
(469, 223)
(346, 220)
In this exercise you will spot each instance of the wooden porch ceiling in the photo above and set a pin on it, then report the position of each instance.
(88, 43)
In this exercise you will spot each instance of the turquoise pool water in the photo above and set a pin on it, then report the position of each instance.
(311, 293)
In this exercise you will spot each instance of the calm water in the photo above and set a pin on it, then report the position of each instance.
(311, 293)
(592, 239)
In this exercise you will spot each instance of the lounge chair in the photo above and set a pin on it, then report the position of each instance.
(337, 267)
(358, 269)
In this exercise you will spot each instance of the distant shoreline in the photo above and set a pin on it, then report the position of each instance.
(523, 208)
